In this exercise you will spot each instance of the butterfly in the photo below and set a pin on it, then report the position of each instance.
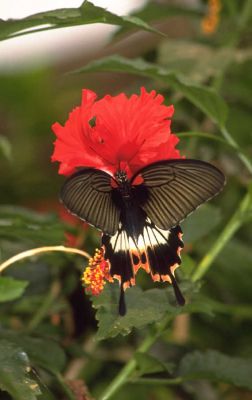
(140, 216)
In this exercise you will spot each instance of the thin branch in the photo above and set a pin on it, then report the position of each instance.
(47, 304)
(243, 157)
(66, 389)
(232, 226)
(126, 372)
(157, 381)
(38, 250)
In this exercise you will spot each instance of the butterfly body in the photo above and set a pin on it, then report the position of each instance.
(132, 217)
(140, 222)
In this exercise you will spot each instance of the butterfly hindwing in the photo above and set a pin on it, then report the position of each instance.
(157, 251)
(118, 250)
(172, 189)
(88, 195)
(162, 249)
(162, 252)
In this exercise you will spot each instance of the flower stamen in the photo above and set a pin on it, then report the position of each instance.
(96, 273)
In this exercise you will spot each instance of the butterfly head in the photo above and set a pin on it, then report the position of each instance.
(121, 177)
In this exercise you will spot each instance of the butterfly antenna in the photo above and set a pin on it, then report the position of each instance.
(180, 298)
(122, 304)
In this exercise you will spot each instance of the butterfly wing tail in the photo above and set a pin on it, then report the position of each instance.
(180, 298)
(118, 253)
(122, 305)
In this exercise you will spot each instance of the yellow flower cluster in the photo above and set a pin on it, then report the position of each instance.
(96, 273)
(210, 22)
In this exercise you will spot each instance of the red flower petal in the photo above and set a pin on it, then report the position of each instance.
(115, 132)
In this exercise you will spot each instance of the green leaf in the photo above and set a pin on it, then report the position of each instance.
(87, 13)
(151, 306)
(14, 368)
(5, 148)
(44, 353)
(204, 98)
(23, 224)
(201, 222)
(218, 367)
(148, 364)
(11, 289)
(143, 308)
(158, 11)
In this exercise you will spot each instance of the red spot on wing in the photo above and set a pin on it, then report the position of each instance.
(138, 180)
(113, 183)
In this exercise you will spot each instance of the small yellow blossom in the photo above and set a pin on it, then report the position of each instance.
(210, 22)
(96, 273)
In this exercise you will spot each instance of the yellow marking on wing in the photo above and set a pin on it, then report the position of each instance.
(166, 278)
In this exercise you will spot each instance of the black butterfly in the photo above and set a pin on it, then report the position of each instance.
(140, 221)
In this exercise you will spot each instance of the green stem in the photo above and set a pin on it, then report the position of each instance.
(246, 161)
(240, 311)
(245, 15)
(68, 392)
(157, 381)
(42, 312)
(233, 44)
(232, 226)
(129, 368)
(241, 22)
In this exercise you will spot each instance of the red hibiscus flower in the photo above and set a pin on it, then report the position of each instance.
(115, 132)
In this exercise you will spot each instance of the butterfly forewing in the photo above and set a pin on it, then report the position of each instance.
(172, 189)
(88, 195)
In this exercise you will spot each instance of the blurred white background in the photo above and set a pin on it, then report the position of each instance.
(52, 46)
